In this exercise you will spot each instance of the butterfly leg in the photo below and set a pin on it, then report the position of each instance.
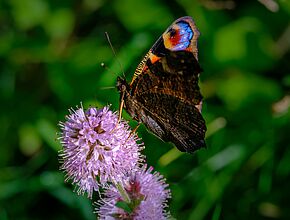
(134, 130)
(121, 107)
(120, 112)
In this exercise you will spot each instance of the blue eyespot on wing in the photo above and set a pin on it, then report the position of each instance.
(183, 37)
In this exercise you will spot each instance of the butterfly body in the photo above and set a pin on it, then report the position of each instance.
(164, 94)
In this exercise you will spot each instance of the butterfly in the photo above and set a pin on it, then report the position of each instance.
(164, 93)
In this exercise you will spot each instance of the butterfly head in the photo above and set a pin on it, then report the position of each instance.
(122, 85)
(126, 99)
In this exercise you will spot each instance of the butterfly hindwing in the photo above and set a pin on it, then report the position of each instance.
(173, 120)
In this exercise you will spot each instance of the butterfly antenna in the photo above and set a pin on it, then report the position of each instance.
(108, 69)
(108, 87)
(114, 52)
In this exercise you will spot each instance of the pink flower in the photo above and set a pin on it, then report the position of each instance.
(97, 150)
(144, 196)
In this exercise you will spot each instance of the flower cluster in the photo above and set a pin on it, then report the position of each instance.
(144, 197)
(101, 152)
(96, 149)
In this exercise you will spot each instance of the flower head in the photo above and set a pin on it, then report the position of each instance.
(146, 194)
(96, 149)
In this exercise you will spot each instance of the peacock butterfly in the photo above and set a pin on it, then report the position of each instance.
(164, 94)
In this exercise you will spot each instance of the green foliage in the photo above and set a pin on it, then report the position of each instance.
(51, 53)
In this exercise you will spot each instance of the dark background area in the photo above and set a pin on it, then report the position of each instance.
(50, 55)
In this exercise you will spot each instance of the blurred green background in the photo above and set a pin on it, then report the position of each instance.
(50, 55)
